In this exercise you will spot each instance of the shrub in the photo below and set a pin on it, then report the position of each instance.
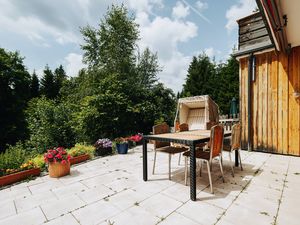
(81, 149)
(12, 159)
(49, 124)
(39, 162)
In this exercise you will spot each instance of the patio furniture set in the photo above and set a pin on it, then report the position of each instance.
(205, 143)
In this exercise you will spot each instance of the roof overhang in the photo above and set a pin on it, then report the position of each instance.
(282, 18)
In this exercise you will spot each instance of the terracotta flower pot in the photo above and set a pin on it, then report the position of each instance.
(15, 177)
(57, 169)
(78, 159)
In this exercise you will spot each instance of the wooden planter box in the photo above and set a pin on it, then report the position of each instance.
(78, 159)
(15, 177)
(103, 151)
(57, 169)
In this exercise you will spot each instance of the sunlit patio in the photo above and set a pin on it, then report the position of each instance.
(111, 190)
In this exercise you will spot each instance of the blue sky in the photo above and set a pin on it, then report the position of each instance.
(47, 31)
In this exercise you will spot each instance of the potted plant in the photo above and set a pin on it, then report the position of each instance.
(58, 162)
(137, 138)
(15, 165)
(80, 153)
(26, 170)
(122, 145)
(103, 147)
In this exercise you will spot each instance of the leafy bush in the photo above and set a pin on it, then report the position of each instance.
(81, 149)
(12, 159)
(39, 162)
(49, 124)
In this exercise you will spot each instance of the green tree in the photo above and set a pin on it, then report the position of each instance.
(34, 86)
(49, 123)
(220, 81)
(59, 78)
(14, 94)
(148, 68)
(112, 45)
(200, 72)
(47, 84)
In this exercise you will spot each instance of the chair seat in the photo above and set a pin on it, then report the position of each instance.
(227, 148)
(172, 149)
(199, 154)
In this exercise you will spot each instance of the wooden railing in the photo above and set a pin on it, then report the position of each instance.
(228, 122)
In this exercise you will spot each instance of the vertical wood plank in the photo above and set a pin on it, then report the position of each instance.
(254, 106)
(260, 105)
(293, 118)
(264, 90)
(270, 76)
(280, 113)
(274, 84)
(285, 105)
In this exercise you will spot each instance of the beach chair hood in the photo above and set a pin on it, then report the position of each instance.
(196, 111)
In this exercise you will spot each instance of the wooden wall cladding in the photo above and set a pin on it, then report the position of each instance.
(275, 123)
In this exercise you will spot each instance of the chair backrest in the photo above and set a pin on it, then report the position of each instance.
(216, 140)
(236, 137)
(160, 129)
(210, 124)
(183, 127)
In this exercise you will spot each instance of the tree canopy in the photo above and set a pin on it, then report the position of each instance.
(220, 81)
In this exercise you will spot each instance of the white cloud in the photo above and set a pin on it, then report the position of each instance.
(144, 5)
(237, 11)
(201, 6)
(161, 35)
(211, 52)
(73, 64)
(180, 11)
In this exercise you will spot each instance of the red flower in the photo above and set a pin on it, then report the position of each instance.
(58, 156)
(63, 161)
(49, 156)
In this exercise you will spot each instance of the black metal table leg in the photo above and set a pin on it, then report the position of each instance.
(145, 167)
(236, 158)
(192, 173)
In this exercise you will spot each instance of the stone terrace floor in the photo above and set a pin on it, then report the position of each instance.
(110, 190)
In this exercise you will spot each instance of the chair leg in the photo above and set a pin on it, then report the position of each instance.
(221, 168)
(232, 171)
(153, 170)
(240, 159)
(185, 170)
(209, 177)
(179, 158)
(170, 157)
(200, 168)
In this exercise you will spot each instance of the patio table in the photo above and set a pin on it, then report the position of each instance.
(188, 138)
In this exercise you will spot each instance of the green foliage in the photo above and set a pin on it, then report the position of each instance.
(12, 158)
(14, 95)
(39, 162)
(111, 46)
(34, 86)
(48, 84)
(49, 124)
(59, 78)
(221, 81)
(147, 69)
(81, 149)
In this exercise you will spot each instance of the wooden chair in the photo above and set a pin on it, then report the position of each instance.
(165, 147)
(215, 150)
(182, 127)
(234, 145)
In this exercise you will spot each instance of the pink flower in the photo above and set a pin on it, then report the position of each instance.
(49, 156)
(58, 156)
(63, 161)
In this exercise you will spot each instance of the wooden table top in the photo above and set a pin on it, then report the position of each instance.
(194, 135)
